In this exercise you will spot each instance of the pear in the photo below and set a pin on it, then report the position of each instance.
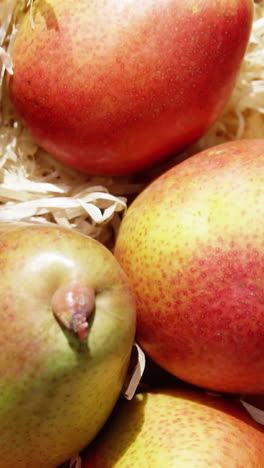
(67, 331)
(175, 428)
(192, 245)
(112, 87)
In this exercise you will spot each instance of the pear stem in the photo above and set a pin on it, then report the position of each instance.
(72, 304)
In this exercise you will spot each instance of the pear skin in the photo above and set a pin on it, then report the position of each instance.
(175, 428)
(67, 330)
(192, 245)
(112, 87)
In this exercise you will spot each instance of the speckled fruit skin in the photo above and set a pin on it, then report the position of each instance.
(192, 245)
(177, 429)
(54, 397)
(111, 87)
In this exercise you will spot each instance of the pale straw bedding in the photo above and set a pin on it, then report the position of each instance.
(35, 187)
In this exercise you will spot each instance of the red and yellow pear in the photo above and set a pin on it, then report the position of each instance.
(112, 87)
(177, 428)
(192, 245)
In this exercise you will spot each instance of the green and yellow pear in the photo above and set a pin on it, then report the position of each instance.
(67, 329)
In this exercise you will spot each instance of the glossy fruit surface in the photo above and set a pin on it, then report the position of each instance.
(192, 245)
(180, 429)
(67, 330)
(112, 87)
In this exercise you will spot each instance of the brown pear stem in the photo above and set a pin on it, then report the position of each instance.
(72, 304)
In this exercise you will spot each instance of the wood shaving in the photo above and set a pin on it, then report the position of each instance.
(35, 187)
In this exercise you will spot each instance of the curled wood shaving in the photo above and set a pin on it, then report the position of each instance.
(33, 186)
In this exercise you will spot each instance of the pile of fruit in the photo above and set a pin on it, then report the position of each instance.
(131, 244)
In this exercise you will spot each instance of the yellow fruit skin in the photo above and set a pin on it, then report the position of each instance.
(192, 245)
(177, 429)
